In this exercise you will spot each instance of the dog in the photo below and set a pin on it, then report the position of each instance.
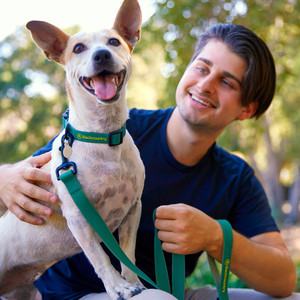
(98, 66)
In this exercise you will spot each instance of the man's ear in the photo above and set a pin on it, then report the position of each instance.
(248, 111)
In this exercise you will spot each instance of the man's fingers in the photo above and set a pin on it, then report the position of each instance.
(34, 174)
(36, 192)
(165, 212)
(38, 161)
(25, 216)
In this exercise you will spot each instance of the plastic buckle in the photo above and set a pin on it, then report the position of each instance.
(111, 134)
(66, 166)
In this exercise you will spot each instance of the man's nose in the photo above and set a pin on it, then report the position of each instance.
(207, 85)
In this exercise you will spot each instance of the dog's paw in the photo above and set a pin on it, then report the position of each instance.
(125, 290)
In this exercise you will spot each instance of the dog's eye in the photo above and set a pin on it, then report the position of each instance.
(78, 48)
(114, 42)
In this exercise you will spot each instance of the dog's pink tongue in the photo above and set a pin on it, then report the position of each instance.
(105, 86)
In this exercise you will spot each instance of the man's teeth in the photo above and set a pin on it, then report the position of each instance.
(201, 101)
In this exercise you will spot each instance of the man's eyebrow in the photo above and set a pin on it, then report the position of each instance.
(227, 74)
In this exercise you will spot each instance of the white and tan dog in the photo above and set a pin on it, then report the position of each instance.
(98, 66)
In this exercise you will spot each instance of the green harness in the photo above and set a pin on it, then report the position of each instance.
(99, 226)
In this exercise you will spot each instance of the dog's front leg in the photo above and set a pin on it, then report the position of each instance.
(127, 236)
(88, 240)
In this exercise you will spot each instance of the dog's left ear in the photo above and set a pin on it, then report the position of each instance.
(49, 38)
(128, 22)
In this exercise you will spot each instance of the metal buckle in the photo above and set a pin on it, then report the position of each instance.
(111, 134)
(66, 166)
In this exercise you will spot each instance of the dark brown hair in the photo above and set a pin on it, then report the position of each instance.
(259, 81)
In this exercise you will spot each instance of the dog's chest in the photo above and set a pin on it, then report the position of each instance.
(112, 179)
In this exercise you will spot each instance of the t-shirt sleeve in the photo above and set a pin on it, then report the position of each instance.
(251, 213)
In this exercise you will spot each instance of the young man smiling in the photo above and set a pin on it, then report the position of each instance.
(192, 181)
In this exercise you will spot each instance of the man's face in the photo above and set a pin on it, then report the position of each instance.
(209, 93)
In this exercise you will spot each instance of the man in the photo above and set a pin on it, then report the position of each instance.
(191, 180)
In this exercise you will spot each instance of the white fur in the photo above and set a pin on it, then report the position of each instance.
(111, 177)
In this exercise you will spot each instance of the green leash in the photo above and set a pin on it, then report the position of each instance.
(178, 266)
(97, 223)
(178, 262)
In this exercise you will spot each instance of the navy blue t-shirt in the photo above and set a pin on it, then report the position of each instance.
(221, 185)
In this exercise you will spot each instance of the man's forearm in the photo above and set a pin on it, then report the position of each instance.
(263, 263)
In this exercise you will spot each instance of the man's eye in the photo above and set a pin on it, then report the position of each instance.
(114, 42)
(78, 48)
(201, 70)
(226, 83)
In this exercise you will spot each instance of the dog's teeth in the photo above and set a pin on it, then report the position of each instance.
(117, 80)
(92, 84)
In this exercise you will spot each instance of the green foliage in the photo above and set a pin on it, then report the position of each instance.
(32, 98)
(297, 289)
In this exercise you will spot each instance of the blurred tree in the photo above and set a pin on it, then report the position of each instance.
(32, 97)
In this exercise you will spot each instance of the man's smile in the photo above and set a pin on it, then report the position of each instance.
(205, 103)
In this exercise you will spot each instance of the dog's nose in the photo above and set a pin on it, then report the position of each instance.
(101, 56)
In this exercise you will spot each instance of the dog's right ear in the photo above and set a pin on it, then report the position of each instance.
(49, 39)
(128, 22)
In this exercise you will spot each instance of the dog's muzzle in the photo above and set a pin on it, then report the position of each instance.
(106, 86)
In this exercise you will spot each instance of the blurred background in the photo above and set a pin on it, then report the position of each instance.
(33, 97)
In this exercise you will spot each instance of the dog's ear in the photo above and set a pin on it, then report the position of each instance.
(128, 22)
(49, 39)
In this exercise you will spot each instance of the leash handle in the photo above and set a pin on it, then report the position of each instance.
(178, 266)
(161, 273)
(222, 282)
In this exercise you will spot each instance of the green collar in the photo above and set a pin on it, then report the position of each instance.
(114, 138)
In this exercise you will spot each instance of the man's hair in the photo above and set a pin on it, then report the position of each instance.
(259, 81)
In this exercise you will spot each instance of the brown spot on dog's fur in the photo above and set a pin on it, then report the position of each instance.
(114, 213)
(122, 188)
(125, 200)
(102, 204)
(110, 192)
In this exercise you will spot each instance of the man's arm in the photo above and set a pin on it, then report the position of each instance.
(17, 189)
(262, 262)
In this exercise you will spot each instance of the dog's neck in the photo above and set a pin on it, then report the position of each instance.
(98, 117)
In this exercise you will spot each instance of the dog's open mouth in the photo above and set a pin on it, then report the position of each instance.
(105, 85)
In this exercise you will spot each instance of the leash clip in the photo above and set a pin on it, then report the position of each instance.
(66, 151)
(66, 166)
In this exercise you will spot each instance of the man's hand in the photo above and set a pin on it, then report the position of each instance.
(17, 188)
(186, 230)
(262, 262)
